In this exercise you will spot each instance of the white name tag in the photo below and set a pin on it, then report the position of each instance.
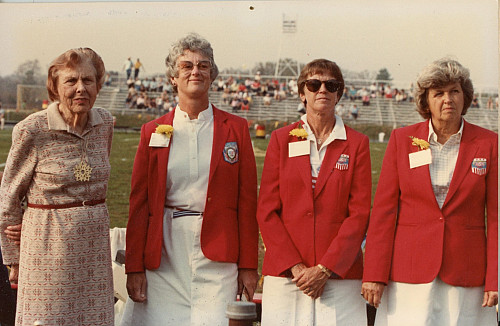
(159, 140)
(299, 148)
(420, 158)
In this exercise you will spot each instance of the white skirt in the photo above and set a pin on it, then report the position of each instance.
(433, 304)
(283, 303)
(187, 288)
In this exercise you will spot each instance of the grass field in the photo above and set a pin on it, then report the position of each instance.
(122, 159)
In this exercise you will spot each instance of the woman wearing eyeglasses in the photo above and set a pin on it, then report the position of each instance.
(192, 234)
(313, 211)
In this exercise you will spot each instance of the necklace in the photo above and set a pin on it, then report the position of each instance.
(83, 170)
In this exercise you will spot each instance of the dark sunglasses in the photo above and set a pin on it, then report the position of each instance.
(332, 85)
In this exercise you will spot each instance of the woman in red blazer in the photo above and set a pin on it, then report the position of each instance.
(192, 234)
(428, 238)
(313, 210)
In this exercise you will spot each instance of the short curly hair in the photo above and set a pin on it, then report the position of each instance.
(194, 43)
(320, 66)
(71, 59)
(441, 73)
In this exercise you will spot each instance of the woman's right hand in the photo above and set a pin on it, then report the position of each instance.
(13, 232)
(372, 292)
(14, 274)
(136, 286)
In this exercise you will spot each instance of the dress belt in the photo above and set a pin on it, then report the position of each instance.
(178, 212)
(69, 205)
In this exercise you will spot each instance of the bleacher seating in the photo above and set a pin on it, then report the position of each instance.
(381, 111)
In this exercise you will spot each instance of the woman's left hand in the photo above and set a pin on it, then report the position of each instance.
(311, 281)
(490, 298)
(247, 282)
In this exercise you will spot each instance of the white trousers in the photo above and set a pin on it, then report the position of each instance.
(433, 304)
(339, 305)
(187, 289)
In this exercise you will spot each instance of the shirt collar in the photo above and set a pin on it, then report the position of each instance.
(205, 115)
(433, 136)
(338, 131)
(56, 122)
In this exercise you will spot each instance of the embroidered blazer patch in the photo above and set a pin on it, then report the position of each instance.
(231, 152)
(478, 166)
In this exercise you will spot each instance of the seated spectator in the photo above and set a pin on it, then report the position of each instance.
(248, 82)
(257, 76)
(293, 87)
(107, 79)
(147, 85)
(138, 84)
(160, 83)
(153, 85)
(221, 85)
(354, 112)
(267, 99)
(226, 96)
(340, 110)
(475, 102)
(365, 96)
(255, 87)
(236, 104)
(242, 88)
(388, 92)
(130, 82)
(489, 104)
(373, 90)
(141, 101)
(352, 93)
(245, 105)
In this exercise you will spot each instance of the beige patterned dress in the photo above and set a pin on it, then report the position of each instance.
(65, 261)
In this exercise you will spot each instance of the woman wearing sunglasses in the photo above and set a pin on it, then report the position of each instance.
(313, 210)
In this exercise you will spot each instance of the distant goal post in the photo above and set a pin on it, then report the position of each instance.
(31, 97)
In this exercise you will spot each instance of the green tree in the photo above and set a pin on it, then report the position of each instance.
(29, 72)
(383, 74)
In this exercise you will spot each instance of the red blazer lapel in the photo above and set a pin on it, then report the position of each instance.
(221, 132)
(163, 152)
(421, 175)
(465, 156)
(302, 163)
(332, 155)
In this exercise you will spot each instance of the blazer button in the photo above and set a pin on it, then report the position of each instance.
(209, 199)
(441, 218)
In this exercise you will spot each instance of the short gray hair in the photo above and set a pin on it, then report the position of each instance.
(441, 73)
(194, 43)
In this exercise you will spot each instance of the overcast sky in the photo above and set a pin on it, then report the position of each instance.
(401, 35)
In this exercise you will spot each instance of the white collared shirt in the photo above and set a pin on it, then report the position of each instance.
(444, 160)
(189, 160)
(316, 157)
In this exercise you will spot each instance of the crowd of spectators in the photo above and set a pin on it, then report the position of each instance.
(239, 93)
(365, 94)
(152, 94)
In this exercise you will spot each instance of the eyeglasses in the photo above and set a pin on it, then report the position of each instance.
(332, 85)
(188, 66)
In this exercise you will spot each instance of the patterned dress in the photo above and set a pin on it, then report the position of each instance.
(65, 275)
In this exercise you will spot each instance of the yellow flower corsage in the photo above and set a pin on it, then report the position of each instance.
(165, 129)
(422, 144)
(299, 133)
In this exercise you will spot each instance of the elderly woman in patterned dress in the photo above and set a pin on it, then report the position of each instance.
(59, 163)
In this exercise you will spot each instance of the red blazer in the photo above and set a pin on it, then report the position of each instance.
(229, 231)
(325, 226)
(411, 240)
